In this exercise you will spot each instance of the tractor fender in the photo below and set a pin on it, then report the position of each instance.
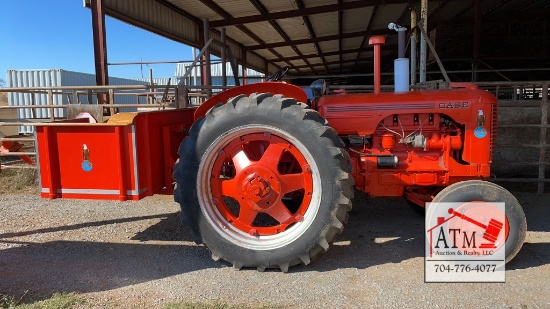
(285, 89)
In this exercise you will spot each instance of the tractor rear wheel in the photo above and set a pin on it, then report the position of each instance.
(263, 182)
(515, 226)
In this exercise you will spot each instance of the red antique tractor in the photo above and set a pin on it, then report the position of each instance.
(266, 181)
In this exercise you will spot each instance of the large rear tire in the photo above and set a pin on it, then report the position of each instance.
(263, 182)
(477, 190)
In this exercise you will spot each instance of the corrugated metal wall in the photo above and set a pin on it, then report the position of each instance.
(55, 78)
(158, 81)
(216, 70)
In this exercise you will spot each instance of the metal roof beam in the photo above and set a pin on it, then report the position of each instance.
(367, 29)
(319, 55)
(320, 39)
(464, 10)
(333, 53)
(220, 11)
(309, 26)
(132, 20)
(340, 22)
(335, 62)
(496, 7)
(405, 13)
(437, 9)
(305, 12)
(263, 10)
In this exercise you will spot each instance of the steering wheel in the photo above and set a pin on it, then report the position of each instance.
(277, 76)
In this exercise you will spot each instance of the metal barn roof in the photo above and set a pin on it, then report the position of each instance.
(317, 37)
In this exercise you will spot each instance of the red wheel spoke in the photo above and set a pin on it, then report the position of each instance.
(279, 212)
(247, 216)
(291, 182)
(266, 168)
(229, 188)
(272, 155)
(240, 160)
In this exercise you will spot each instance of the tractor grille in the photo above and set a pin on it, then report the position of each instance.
(494, 125)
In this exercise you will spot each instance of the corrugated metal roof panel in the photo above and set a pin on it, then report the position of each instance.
(272, 68)
(196, 8)
(280, 63)
(294, 28)
(349, 56)
(316, 60)
(156, 15)
(279, 6)
(326, 23)
(332, 58)
(356, 20)
(266, 54)
(265, 31)
(385, 13)
(254, 61)
(307, 49)
(310, 3)
(297, 62)
(238, 8)
(352, 43)
(285, 50)
(235, 32)
(329, 46)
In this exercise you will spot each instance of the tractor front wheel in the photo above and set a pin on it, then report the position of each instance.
(263, 182)
(515, 225)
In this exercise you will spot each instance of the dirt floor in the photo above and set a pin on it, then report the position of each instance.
(136, 254)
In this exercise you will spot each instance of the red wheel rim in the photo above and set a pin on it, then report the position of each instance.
(261, 184)
(505, 227)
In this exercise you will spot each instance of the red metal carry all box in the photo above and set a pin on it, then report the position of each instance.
(129, 157)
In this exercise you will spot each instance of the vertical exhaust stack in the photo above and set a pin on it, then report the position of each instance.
(401, 64)
(377, 41)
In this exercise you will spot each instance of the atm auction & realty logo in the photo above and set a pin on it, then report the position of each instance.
(465, 242)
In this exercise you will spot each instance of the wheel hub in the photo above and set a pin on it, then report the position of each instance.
(265, 170)
(260, 187)
(256, 186)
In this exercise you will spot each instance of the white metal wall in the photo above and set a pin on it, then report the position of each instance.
(55, 78)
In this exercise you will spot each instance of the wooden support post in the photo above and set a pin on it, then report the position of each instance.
(75, 97)
(224, 57)
(112, 101)
(151, 96)
(244, 68)
(185, 94)
(414, 42)
(477, 31)
(423, 39)
(543, 134)
(207, 70)
(90, 96)
(33, 103)
(50, 102)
